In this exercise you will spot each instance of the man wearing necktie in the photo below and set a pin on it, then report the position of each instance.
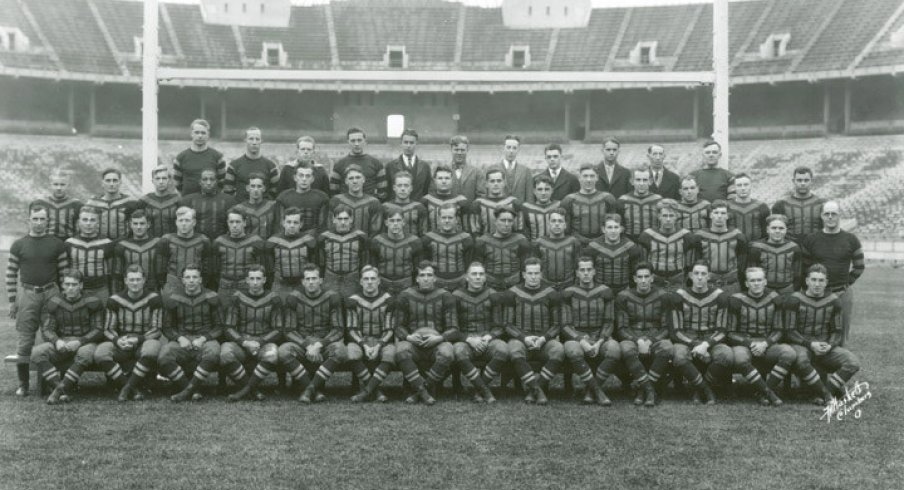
(665, 182)
(518, 179)
(411, 163)
(563, 181)
(613, 178)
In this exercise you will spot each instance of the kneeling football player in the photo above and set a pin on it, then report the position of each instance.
(314, 328)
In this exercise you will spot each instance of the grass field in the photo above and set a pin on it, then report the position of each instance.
(95, 443)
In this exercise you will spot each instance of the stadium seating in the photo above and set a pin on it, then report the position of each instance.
(306, 41)
(75, 35)
(487, 41)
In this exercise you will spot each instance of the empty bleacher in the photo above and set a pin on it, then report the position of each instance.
(203, 45)
(75, 35)
(588, 49)
(306, 41)
(487, 41)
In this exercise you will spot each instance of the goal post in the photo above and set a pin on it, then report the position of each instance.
(462, 80)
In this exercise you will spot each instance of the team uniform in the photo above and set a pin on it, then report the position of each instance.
(286, 257)
(842, 255)
(262, 218)
(426, 311)
(699, 317)
(81, 319)
(93, 257)
(341, 258)
(533, 312)
(311, 320)
(780, 261)
(114, 214)
(177, 251)
(375, 183)
(753, 319)
(586, 213)
(483, 216)
(670, 255)
(535, 218)
(714, 183)
(144, 253)
(370, 323)
(502, 257)
(726, 254)
(210, 211)
(559, 257)
(190, 164)
(367, 214)
(62, 215)
(478, 316)
(257, 318)
(693, 216)
(414, 216)
(809, 319)
(644, 316)
(588, 315)
(434, 201)
(239, 170)
(139, 318)
(638, 213)
(804, 215)
(231, 259)
(32, 274)
(395, 258)
(749, 217)
(451, 253)
(192, 317)
(161, 212)
(313, 204)
(614, 262)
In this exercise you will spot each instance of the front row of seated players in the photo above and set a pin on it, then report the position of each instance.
(704, 334)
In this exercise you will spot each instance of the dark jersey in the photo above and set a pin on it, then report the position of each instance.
(370, 318)
(749, 217)
(841, 253)
(531, 312)
(261, 218)
(114, 214)
(192, 315)
(804, 215)
(698, 316)
(177, 252)
(714, 183)
(254, 317)
(502, 257)
(535, 218)
(669, 254)
(639, 213)
(809, 319)
(162, 212)
(343, 253)
(374, 175)
(36, 261)
(140, 252)
(241, 168)
(559, 257)
(694, 216)
(614, 262)
(478, 313)
(233, 256)
(433, 202)
(190, 164)
(311, 319)
(586, 213)
(484, 209)
(414, 215)
(450, 252)
(726, 252)
(81, 319)
(141, 317)
(367, 214)
(314, 206)
(587, 312)
(639, 316)
(433, 310)
(780, 261)
(395, 258)
(93, 257)
(210, 212)
(62, 215)
(754, 319)
(287, 256)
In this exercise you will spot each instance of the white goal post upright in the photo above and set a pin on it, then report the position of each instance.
(437, 81)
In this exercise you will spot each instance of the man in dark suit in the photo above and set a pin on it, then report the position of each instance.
(519, 181)
(614, 178)
(411, 163)
(662, 180)
(467, 179)
(563, 181)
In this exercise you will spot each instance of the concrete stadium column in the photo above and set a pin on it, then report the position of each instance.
(587, 117)
(223, 116)
(92, 108)
(696, 109)
(70, 105)
(203, 97)
(826, 106)
(568, 98)
(847, 106)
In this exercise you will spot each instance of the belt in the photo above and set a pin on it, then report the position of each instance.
(38, 289)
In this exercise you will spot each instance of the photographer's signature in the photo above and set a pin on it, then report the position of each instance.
(850, 404)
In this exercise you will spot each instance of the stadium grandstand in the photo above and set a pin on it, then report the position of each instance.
(812, 82)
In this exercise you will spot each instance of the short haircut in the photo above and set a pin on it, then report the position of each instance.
(342, 208)
(476, 264)
(352, 168)
(646, 170)
(818, 268)
(803, 170)
(641, 266)
(402, 174)
(158, 169)
(72, 274)
(237, 210)
(183, 210)
(37, 208)
(354, 130)
(310, 268)
(257, 176)
(200, 122)
(650, 148)
(512, 137)
(543, 179)
(701, 263)
(742, 175)
(687, 178)
(552, 147)
(209, 170)
(256, 268)
(304, 166)
(612, 139)
(612, 217)
(708, 143)
(719, 203)
(191, 266)
(424, 264)
(305, 139)
(58, 173)
(252, 128)
(500, 211)
(89, 210)
(293, 211)
(776, 217)
(531, 261)
(110, 170)
(666, 204)
(494, 170)
(133, 268)
(409, 132)
(447, 206)
(138, 214)
(390, 212)
(583, 258)
(459, 139)
(559, 211)
(442, 168)
(369, 268)
(588, 166)
(750, 270)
